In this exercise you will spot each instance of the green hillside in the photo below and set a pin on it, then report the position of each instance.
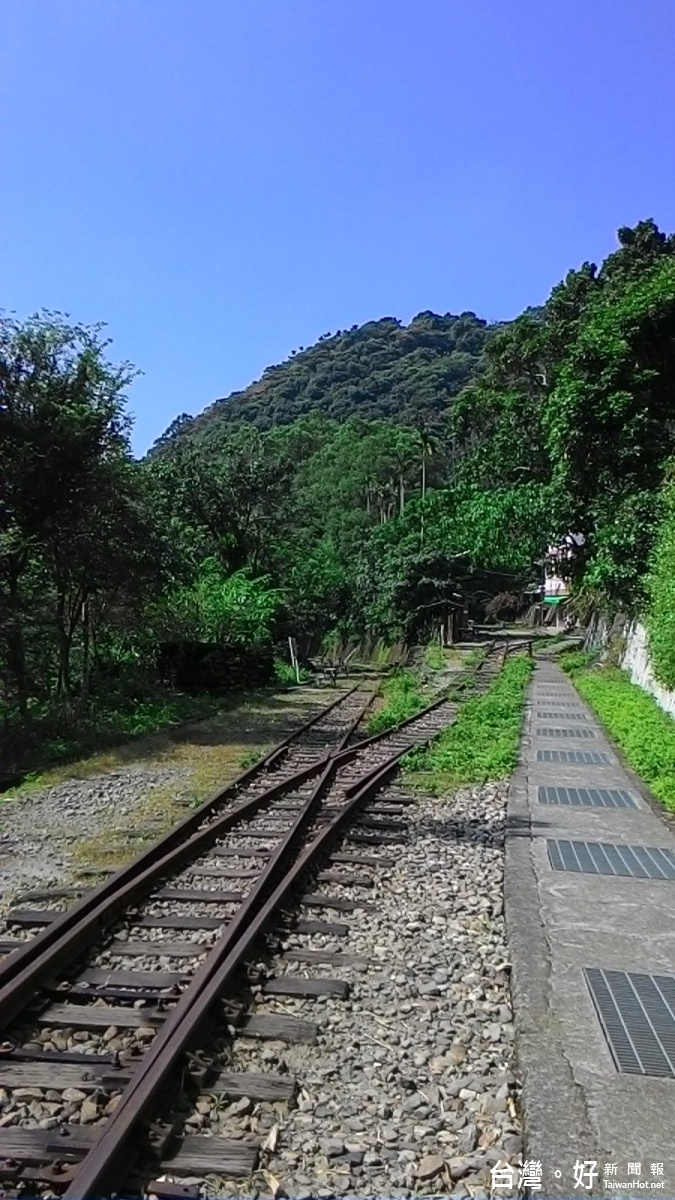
(383, 369)
(370, 486)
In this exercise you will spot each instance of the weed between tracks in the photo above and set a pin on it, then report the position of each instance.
(402, 697)
(483, 742)
(407, 690)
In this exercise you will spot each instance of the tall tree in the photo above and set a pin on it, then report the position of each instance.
(65, 467)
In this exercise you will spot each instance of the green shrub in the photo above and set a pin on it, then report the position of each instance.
(483, 742)
(402, 699)
(645, 733)
(434, 657)
(285, 673)
(577, 660)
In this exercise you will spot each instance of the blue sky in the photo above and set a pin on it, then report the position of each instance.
(222, 181)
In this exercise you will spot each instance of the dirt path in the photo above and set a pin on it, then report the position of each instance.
(99, 813)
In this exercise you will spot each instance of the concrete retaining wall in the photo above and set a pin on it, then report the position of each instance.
(635, 660)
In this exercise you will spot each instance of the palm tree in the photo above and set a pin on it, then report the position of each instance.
(428, 445)
(403, 452)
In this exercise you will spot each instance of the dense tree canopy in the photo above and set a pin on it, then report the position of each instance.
(405, 373)
(578, 399)
(373, 483)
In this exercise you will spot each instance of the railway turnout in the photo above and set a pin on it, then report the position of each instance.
(139, 968)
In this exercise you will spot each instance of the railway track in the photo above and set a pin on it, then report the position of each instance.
(105, 1007)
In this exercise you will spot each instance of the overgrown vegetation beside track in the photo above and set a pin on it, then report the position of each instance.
(483, 742)
(45, 743)
(660, 608)
(643, 731)
(402, 698)
(407, 691)
(385, 483)
(572, 661)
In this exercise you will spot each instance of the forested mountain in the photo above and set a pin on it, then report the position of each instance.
(405, 373)
(367, 486)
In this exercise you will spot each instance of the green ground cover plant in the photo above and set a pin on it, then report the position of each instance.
(402, 698)
(576, 660)
(434, 657)
(285, 674)
(643, 731)
(483, 742)
(46, 744)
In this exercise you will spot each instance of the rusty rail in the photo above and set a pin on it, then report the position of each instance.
(98, 1172)
(108, 1160)
(65, 937)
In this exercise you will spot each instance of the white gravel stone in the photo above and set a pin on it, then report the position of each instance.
(414, 1070)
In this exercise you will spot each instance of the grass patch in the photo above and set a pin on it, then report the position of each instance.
(434, 656)
(209, 754)
(576, 660)
(483, 742)
(49, 742)
(401, 698)
(208, 767)
(285, 674)
(645, 733)
(472, 658)
(247, 724)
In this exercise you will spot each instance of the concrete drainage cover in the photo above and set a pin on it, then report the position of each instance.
(586, 797)
(606, 858)
(637, 1015)
(572, 756)
(569, 731)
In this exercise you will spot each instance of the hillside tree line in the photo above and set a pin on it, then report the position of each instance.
(366, 485)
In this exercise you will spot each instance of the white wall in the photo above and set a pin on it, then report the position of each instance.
(635, 661)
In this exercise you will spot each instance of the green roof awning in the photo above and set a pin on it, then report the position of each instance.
(555, 599)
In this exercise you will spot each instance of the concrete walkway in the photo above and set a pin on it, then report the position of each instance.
(616, 1126)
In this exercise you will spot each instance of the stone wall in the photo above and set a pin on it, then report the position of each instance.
(635, 660)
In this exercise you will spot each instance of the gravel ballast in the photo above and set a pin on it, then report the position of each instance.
(410, 1089)
(39, 832)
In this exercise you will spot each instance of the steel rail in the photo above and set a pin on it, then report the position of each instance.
(101, 907)
(55, 945)
(96, 1174)
(182, 1026)
(20, 990)
(270, 889)
(91, 916)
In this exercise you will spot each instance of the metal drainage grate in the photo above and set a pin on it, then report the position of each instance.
(606, 858)
(546, 715)
(571, 756)
(569, 731)
(637, 1014)
(587, 797)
